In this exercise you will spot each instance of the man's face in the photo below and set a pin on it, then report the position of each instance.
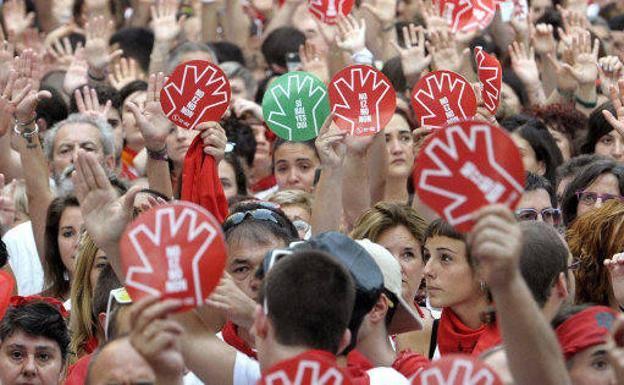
(25, 359)
(73, 137)
(536, 205)
(591, 367)
(119, 363)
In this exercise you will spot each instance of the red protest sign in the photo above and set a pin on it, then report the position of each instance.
(467, 15)
(457, 370)
(490, 75)
(328, 11)
(363, 100)
(442, 97)
(197, 91)
(309, 368)
(175, 251)
(465, 166)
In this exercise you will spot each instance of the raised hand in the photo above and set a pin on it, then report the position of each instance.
(542, 39)
(125, 71)
(615, 265)
(431, 13)
(214, 138)
(242, 106)
(7, 51)
(330, 144)
(314, 61)
(62, 52)
(383, 10)
(164, 23)
(77, 74)
(157, 337)
(98, 31)
(351, 36)
(16, 20)
(443, 49)
(88, 103)
(233, 302)
(151, 120)
(566, 83)
(585, 68)
(413, 58)
(609, 71)
(617, 98)
(523, 63)
(105, 214)
(496, 243)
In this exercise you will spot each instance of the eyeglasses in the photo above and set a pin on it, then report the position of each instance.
(576, 263)
(590, 198)
(549, 215)
(257, 214)
(121, 296)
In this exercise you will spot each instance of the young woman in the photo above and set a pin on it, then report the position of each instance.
(454, 286)
(401, 230)
(401, 155)
(232, 176)
(602, 138)
(84, 324)
(593, 238)
(295, 165)
(539, 150)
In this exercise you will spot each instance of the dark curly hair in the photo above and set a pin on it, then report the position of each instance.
(563, 118)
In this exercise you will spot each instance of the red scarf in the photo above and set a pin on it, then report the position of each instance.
(455, 337)
(357, 365)
(264, 184)
(406, 362)
(230, 336)
(7, 285)
(201, 183)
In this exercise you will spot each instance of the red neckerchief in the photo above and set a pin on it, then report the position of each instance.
(127, 164)
(264, 184)
(200, 181)
(230, 336)
(91, 345)
(455, 337)
(409, 363)
(77, 373)
(7, 285)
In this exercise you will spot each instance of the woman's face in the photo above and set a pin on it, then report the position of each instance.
(400, 147)
(605, 184)
(563, 143)
(407, 251)
(531, 164)
(69, 232)
(99, 263)
(26, 359)
(263, 146)
(448, 275)
(238, 89)
(611, 145)
(228, 179)
(295, 165)
(178, 143)
(132, 134)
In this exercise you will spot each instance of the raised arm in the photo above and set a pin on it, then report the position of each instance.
(532, 349)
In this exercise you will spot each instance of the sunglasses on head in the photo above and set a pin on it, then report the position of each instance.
(256, 214)
(548, 215)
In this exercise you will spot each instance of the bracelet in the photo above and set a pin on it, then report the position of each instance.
(363, 57)
(22, 124)
(27, 135)
(159, 154)
(586, 104)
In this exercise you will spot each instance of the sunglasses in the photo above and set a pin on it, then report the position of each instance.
(120, 296)
(256, 214)
(590, 198)
(548, 215)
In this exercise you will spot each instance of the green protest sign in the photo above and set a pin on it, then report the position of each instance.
(295, 106)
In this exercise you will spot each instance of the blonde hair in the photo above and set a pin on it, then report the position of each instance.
(385, 216)
(293, 198)
(82, 322)
(592, 238)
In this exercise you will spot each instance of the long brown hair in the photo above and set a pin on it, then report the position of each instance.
(592, 238)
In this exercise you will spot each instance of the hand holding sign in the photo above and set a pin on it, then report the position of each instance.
(465, 166)
(328, 11)
(362, 99)
(173, 251)
(467, 15)
(295, 106)
(490, 75)
(457, 370)
(443, 97)
(197, 91)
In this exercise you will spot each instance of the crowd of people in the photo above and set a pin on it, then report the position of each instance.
(331, 255)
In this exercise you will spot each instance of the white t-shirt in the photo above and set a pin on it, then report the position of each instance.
(386, 376)
(246, 370)
(191, 379)
(24, 259)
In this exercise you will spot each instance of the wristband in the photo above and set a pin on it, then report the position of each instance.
(27, 135)
(158, 155)
(586, 104)
(363, 57)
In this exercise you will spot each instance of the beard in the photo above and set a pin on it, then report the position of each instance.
(63, 184)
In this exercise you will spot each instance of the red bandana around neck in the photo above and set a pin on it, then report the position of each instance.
(201, 183)
(231, 337)
(455, 337)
